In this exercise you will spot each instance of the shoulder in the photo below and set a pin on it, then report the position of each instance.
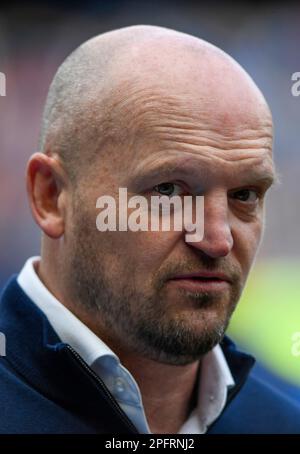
(259, 408)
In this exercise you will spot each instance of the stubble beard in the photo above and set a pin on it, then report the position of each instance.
(140, 322)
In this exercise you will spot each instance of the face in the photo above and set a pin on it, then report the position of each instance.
(139, 286)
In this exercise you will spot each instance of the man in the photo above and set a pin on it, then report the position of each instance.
(123, 331)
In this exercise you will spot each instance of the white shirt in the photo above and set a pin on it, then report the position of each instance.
(214, 381)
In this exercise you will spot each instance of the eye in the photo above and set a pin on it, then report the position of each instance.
(246, 195)
(168, 189)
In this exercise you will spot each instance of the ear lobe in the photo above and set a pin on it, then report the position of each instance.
(45, 191)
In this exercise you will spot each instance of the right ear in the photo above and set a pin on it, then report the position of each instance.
(45, 187)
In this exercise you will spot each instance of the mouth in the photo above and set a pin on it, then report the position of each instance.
(201, 282)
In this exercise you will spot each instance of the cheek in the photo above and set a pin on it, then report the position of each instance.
(146, 252)
(154, 248)
(134, 253)
(247, 237)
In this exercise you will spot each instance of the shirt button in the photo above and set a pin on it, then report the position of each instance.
(119, 385)
(211, 398)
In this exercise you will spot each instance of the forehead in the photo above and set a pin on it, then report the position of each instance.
(175, 134)
(187, 104)
(181, 127)
(204, 170)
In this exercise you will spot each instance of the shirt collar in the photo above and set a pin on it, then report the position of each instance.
(68, 327)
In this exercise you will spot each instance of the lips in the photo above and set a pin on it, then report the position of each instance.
(204, 276)
(203, 281)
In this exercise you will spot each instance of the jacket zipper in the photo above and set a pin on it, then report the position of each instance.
(104, 389)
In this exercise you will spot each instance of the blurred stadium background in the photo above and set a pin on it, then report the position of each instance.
(36, 36)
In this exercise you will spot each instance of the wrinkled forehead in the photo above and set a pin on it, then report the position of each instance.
(210, 90)
(224, 114)
(189, 78)
(185, 103)
(158, 117)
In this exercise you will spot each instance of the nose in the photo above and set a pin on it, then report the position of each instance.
(217, 240)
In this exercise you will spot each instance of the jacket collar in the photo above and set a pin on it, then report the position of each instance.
(48, 365)
(240, 365)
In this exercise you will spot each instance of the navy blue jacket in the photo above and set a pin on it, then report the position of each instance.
(45, 387)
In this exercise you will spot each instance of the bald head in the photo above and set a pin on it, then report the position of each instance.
(108, 93)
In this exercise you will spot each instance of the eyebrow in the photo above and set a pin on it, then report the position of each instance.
(164, 170)
(269, 179)
(167, 170)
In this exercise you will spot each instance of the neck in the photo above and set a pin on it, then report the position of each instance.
(169, 392)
